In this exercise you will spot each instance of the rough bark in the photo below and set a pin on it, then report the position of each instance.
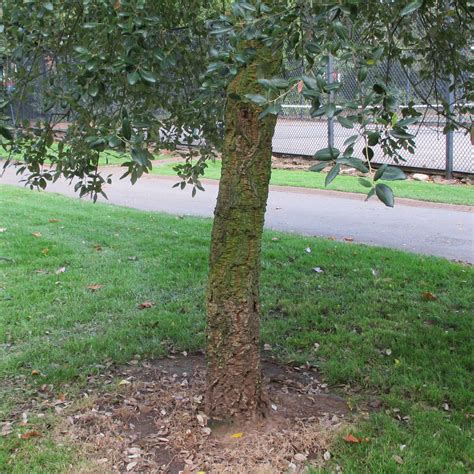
(233, 311)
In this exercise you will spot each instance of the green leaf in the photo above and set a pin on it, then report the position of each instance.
(362, 74)
(330, 110)
(332, 174)
(327, 154)
(365, 182)
(373, 138)
(133, 78)
(274, 109)
(148, 76)
(6, 133)
(411, 7)
(345, 122)
(380, 172)
(368, 153)
(309, 82)
(318, 167)
(351, 140)
(355, 163)
(392, 173)
(400, 133)
(256, 98)
(142, 157)
(275, 83)
(385, 194)
(126, 128)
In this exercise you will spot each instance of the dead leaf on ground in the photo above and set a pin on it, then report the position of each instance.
(53, 220)
(146, 304)
(348, 239)
(6, 429)
(98, 247)
(30, 434)
(398, 459)
(45, 251)
(350, 438)
(237, 435)
(94, 287)
(428, 296)
(35, 372)
(60, 270)
(36, 234)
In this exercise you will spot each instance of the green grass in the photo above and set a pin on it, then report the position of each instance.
(451, 194)
(53, 324)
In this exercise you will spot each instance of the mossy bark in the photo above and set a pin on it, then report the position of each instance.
(233, 310)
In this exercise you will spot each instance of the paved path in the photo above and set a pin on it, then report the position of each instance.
(436, 229)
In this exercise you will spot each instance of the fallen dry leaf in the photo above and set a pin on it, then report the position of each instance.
(398, 459)
(352, 439)
(237, 435)
(300, 457)
(98, 247)
(6, 429)
(125, 382)
(428, 296)
(45, 251)
(94, 287)
(300, 86)
(348, 239)
(35, 372)
(36, 234)
(30, 434)
(53, 220)
(146, 304)
(131, 465)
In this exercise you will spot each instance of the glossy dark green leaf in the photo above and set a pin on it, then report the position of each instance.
(345, 122)
(148, 76)
(385, 194)
(6, 133)
(319, 167)
(332, 174)
(274, 109)
(393, 173)
(133, 78)
(327, 154)
(411, 7)
(365, 182)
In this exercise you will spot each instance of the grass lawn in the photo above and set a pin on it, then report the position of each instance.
(451, 194)
(393, 326)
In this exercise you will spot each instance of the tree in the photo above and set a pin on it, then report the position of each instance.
(130, 75)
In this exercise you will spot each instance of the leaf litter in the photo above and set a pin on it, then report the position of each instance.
(156, 423)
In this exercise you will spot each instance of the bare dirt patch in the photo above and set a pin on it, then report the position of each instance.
(152, 420)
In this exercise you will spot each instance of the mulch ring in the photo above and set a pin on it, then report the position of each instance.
(152, 420)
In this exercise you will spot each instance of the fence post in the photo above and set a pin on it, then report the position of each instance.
(450, 133)
(330, 100)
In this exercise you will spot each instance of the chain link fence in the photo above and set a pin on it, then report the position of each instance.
(299, 134)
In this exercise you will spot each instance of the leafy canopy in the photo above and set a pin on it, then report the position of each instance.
(141, 75)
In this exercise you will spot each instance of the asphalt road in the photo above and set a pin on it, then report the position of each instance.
(434, 229)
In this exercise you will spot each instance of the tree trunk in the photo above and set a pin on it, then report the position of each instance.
(234, 376)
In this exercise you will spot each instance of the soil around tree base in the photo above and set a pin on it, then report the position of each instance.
(149, 417)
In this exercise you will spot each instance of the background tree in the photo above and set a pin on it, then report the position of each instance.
(137, 76)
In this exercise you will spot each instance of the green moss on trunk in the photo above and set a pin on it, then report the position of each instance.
(234, 372)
